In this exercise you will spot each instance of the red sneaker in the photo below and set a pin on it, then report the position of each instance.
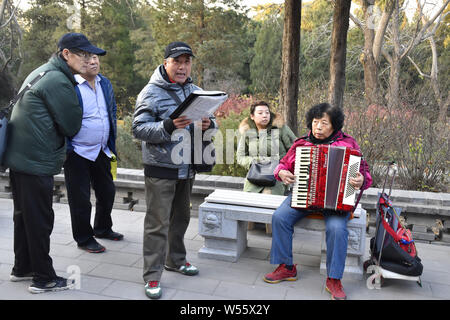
(334, 286)
(281, 273)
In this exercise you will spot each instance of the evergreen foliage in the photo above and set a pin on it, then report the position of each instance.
(235, 53)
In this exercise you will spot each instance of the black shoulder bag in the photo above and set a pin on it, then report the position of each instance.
(261, 174)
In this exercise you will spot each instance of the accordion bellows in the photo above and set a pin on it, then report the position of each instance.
(322, 176)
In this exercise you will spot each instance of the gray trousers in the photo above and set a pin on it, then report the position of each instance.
(166, 220)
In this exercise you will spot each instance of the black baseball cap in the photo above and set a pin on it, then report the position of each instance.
(74, 40)
(177, 48)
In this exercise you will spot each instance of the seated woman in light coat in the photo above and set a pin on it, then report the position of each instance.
(257, 130)
(261, 132)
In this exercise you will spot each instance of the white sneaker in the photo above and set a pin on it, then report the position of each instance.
(188, 269)
(153, 290)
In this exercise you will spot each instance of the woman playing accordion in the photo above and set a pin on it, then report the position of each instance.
(325, 123)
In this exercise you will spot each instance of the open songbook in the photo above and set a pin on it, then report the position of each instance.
(200, 104)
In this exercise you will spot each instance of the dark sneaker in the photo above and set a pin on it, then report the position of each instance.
(153, 290)
(281, 273)
(115, 236)
(334, 286)
(21, 277)
(58, 284)
(92, 246)
(188, 269)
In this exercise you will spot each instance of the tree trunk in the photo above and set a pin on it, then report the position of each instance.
(368, 60)
(6, 77)
(83, 14)
(2, 10)
(200, 27)
(336, 86)
(394, 61)
(443, 104)
(374, 32)
(394, 83)
(290, 63)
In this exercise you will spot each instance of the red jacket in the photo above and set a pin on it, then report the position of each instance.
(341, 139)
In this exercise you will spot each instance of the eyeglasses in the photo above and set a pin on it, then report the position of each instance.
(83, 54)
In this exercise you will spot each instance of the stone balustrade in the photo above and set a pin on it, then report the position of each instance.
(427, 214)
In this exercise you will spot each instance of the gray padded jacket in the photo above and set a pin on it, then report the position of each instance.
(153, 106)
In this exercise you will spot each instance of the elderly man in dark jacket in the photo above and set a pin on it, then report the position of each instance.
(168, 183)
(47, 113)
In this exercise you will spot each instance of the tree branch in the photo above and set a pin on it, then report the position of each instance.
(438, 13)
(381, 30)
(2, 9)
(420, 35)
(131, 13)
(12, 14)
(386, 55)
(418, 69)
(10, 51)
(356, 21)
(436, 25)
(2, 56)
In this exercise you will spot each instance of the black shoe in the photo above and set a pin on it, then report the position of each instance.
(92, 246)
(57, 284)
(110, 236)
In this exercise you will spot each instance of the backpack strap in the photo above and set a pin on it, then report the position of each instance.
(5, 111)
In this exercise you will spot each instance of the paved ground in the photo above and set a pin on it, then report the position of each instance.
(117, 273)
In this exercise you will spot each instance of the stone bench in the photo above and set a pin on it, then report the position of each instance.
(224, 215)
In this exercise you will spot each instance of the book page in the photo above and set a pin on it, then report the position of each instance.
(203, 106)
(207, 93)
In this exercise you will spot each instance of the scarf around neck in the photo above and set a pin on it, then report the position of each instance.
(328, 140)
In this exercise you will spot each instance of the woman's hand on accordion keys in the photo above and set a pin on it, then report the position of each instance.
(286, 177)
(358, 181)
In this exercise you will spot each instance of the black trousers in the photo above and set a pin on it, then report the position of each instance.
(33, 224)
(80, 174)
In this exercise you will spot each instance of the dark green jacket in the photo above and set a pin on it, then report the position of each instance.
(40, 121)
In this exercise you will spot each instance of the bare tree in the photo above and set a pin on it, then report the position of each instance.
(399, 50)
(338, 52)
(434, 73)
(384, 34)
(374, 33)
(290, 63)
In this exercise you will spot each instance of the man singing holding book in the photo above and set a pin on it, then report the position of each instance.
(168, 183)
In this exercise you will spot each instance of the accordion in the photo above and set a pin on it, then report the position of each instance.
(322, 176)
